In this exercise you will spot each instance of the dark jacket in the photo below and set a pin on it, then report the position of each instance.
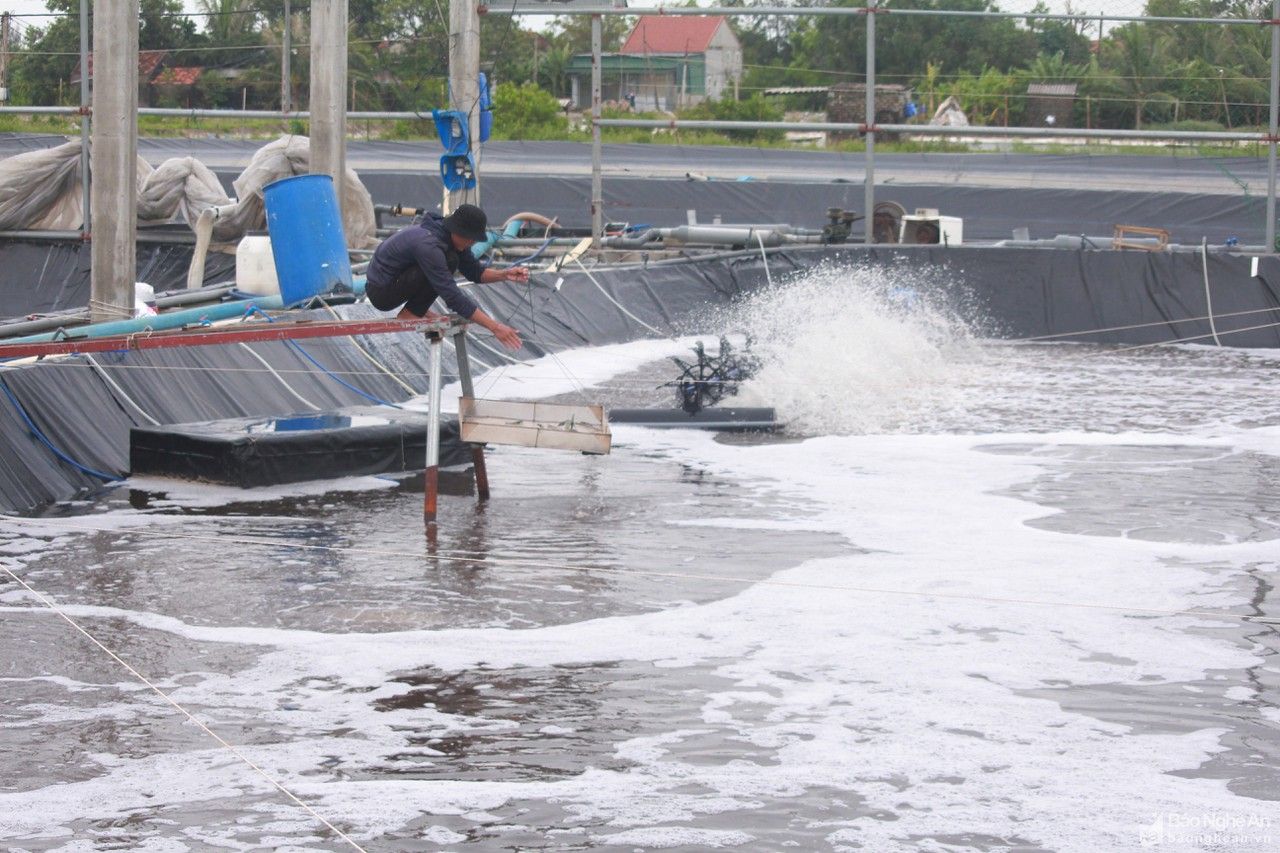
(427, 250)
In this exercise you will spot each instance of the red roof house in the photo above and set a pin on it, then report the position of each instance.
(681, 34)
(667, 62)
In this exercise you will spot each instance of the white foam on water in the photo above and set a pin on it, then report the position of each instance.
(912, 705)
(563, 372)
(855, 349)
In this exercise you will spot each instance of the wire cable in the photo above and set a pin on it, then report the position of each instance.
(170, 700)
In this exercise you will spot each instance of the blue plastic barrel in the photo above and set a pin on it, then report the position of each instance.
(310, 249)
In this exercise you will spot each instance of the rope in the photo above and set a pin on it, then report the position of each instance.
(99, 306)
(487, 558)
(43, 439)
(169, 699)
(1208, 300)
(1136, 326)
(107, 378)
(302, 352)
(272, 371)
(618, 304)
(764, 257)
(1188, 339)
(364, 352)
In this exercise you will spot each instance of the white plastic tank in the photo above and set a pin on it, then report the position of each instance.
(256, 266)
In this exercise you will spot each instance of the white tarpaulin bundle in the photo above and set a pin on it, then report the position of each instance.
(41, 190)
(950, 114)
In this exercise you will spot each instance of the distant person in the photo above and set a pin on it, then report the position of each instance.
(631, 99)
(415, 266)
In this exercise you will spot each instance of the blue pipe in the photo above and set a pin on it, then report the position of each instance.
(484, 247)
(172, 319)
(159, 322)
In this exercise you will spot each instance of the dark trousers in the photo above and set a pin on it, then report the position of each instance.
(409, 289)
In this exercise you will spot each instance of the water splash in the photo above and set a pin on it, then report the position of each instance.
(852, 349)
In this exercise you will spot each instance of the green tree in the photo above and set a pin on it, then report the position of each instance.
(525, 111)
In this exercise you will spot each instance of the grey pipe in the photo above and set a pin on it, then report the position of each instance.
(720, 235)
(42, 324)
(633, 241)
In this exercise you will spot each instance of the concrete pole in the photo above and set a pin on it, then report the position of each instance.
(1273, 125)
(86, 216)
(286, 72)
(114, 159)
(4, 57)
(597, 152)
(329, 90)
(869, 182)
(464, 83)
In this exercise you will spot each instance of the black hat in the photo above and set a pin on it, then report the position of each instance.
(467, 221)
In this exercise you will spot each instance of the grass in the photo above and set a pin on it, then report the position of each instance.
(400, 130)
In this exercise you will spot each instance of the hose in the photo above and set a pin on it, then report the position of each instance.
(43, 439)
(297, 348)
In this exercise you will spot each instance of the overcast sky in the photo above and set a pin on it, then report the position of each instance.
(1093, 7)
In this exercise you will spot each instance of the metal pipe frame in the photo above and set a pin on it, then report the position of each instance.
(86, 218)
(431, 471)
(937, 130)
(557, 9)
(597, 153)
(232, 114)
(1273, 126)
(478, 467)
(869, 160)
(215, 335)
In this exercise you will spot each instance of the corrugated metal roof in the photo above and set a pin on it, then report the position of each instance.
(1061, 90)
(797, 90)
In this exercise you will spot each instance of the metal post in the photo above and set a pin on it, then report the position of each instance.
(869, 181)
(86, 217)
(464, 82)
(1273, 123)
(597, 154)
(468, 390)
(329, 90)
(431, 495)
(286, 73)
(114, 160)
(4, 57)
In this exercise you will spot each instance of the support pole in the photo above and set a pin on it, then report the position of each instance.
(329, 90)
(431, 493)
(464, 83)
(86, 216)
(286, 57)
(4, 57)
(597, 154)
(468, 390)
(114, 159)
(869, 181)
(1273, 123)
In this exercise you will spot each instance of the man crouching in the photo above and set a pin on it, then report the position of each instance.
(416, 265)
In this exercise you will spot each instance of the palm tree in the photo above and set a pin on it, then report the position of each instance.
(1140, 63)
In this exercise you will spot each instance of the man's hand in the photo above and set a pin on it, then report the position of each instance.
(517, 274)
(507, 336)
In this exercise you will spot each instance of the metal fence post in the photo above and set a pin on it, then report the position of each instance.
(869, 182)
(1273, 122)
(597, 154)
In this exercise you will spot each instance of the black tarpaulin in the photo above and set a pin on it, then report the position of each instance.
(249, 452)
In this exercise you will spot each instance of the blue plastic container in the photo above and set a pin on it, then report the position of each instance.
(310, 249)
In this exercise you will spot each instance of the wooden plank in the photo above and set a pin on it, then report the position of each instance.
(532, 424)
